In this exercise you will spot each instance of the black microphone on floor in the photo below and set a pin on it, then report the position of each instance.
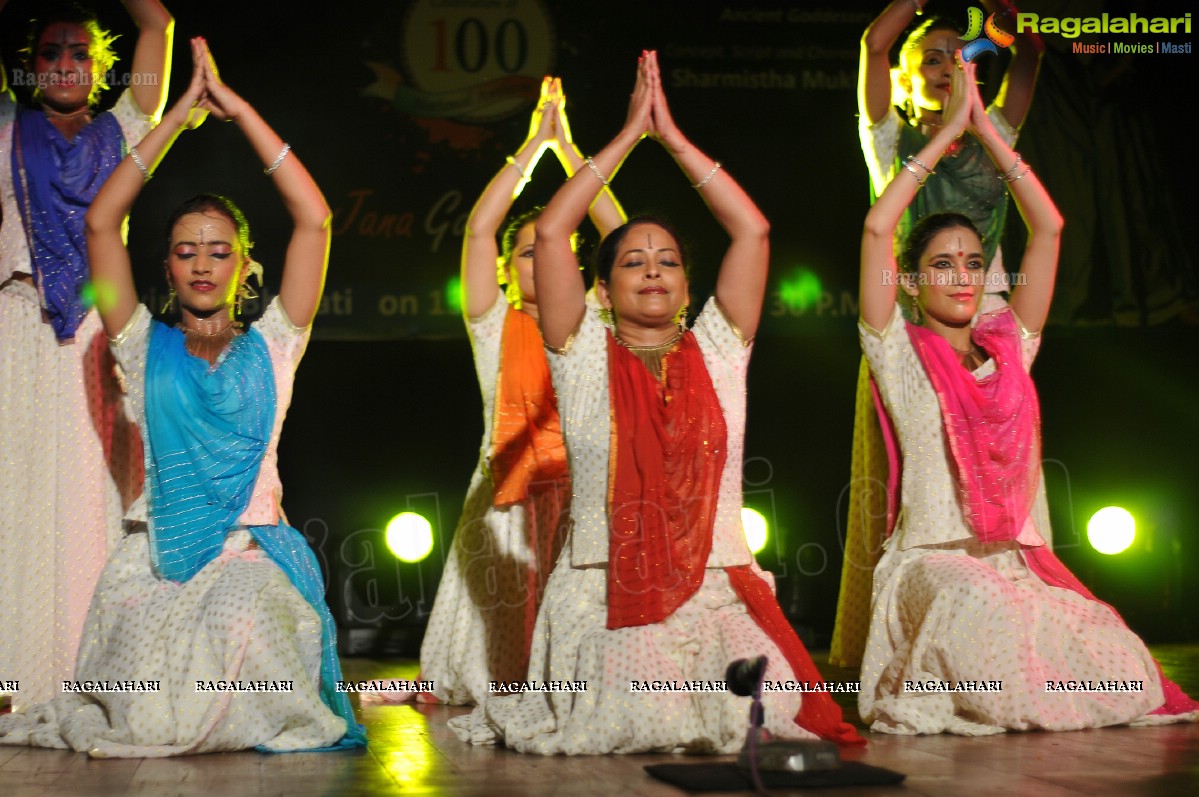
(744, 676)
(760, 754)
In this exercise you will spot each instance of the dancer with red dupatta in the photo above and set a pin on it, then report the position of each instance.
(976, 627)
(512, 524)
(656, 591)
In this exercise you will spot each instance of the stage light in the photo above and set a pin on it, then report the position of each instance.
(410, 537)
(756, 529)
(801, 290)
(98, 293)
(1111, 530)
(453, 294)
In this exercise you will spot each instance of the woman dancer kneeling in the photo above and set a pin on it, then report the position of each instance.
(215, 619)
(656, 583)
(974, 621)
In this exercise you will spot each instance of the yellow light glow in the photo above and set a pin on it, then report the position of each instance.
(756, 529)
(1111, 530)
(409, 537)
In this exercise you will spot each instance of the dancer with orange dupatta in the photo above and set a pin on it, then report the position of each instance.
(510, 531)
(656, 591)
(976, 627)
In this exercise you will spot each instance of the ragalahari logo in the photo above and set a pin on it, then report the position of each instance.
(975, 46)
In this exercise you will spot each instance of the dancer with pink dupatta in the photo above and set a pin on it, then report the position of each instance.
(976, 627)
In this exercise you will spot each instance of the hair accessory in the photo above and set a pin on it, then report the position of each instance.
(711, 174)
(141, 165)
(268, 171)
(520, 169)
(591, 165)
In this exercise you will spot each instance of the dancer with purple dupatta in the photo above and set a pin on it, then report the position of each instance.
(974, 622)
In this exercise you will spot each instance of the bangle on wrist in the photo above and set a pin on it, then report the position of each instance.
(141, 165)
(519, 169)
(268, 171)
(711, 174)
(595, 170)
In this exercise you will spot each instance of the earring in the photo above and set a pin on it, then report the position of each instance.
(244, 292)
(605, 316)
(170, 303)
(681, 319)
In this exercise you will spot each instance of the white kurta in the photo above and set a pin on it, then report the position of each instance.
(238, 621)
(71, 461)
(949, 609)
(497, 567)
(696, 643)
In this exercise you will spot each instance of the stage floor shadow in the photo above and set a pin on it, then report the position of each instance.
(413, 752)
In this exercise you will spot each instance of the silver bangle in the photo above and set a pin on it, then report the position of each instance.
(711, 174)
(919, 179)
(917, 161)
(1007, 176)
(268, 171)
(137, 159)
(519, 170)
(591, 165)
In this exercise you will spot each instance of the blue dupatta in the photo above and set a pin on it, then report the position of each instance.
(208, 428)
(55, 181)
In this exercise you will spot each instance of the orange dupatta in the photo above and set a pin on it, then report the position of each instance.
(527, 453)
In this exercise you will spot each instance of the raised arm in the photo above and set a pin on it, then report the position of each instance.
(741, 283)
(880, 275)
(479, 249)
(308, 251)
(1020, 79)
(560, 293)
(1038, 269)
(605, 212)
(152, 55)
(874, 64)
(108, 258)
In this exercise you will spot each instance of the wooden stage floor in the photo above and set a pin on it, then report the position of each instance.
(412, 752)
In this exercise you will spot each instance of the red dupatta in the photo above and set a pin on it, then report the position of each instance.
(665, 471)
(668, 448)
(527, 453)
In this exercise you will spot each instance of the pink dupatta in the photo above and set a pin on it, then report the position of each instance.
(993, 425)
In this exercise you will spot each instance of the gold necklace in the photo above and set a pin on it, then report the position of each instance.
(208, 345)
(653, 354)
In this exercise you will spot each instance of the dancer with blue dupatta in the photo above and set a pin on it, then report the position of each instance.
(210, 632)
